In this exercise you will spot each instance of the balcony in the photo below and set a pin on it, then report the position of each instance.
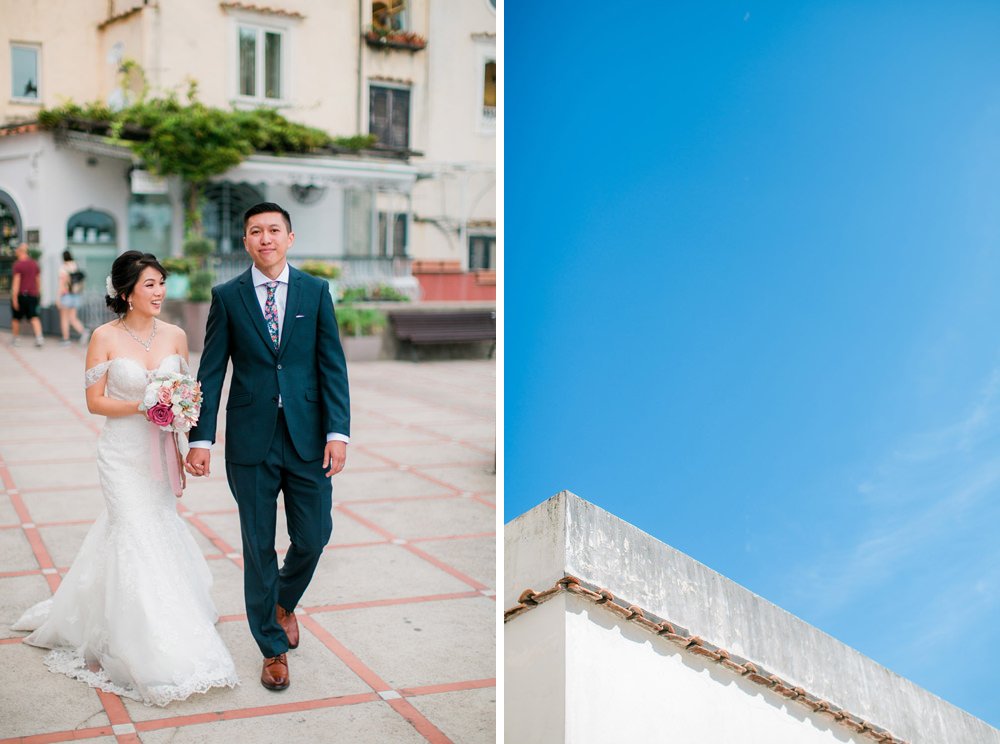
(403, 40)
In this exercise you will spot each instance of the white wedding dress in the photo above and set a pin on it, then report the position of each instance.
(134, 615)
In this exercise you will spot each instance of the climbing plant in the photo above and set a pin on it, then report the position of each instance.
(192, 140)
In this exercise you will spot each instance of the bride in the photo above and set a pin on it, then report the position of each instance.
(134, 616)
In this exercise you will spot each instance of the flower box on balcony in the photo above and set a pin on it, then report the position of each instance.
(406, 40)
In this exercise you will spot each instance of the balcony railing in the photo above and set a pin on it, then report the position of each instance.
(355, 270)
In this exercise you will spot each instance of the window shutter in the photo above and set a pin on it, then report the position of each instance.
(400, 118)
(378, 113)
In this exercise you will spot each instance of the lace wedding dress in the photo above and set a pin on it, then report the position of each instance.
(134, 615)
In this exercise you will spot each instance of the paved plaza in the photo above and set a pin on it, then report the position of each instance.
(398, 625)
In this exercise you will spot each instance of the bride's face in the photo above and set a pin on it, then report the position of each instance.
(148, 293)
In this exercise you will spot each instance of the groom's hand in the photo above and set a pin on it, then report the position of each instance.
(198, 461)
(334, 457)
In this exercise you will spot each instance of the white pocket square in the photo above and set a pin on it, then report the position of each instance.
(300, 316)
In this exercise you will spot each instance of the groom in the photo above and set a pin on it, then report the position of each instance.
(287, 423)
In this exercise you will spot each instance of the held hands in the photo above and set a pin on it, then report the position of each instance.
(334, 457)
(198, 461)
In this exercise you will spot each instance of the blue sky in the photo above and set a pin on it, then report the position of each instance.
(752, 303)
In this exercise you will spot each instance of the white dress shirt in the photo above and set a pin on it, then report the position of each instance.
(260, 282)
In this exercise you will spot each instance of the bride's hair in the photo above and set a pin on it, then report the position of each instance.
(125, 272)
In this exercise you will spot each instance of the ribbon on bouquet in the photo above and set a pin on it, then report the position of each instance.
(165, 451)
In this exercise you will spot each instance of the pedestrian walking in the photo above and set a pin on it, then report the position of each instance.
(25, 295)
(71, 280)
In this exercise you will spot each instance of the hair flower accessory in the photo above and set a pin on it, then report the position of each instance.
(109, 286)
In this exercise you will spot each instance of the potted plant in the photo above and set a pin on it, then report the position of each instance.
(385, 38)
(361, 332)
(324, 270)
(178, 282)
(197, 249)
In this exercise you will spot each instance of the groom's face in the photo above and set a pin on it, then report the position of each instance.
(267, 240)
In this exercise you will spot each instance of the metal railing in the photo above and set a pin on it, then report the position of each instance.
(355, 270)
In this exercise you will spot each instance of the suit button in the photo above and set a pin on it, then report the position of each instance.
(274, 399)
(279, 366)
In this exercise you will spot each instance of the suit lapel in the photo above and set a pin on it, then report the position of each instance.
(292, 301)
(249, 295)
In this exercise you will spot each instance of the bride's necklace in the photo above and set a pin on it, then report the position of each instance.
(147, 345)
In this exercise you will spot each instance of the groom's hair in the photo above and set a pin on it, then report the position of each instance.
(266, 207)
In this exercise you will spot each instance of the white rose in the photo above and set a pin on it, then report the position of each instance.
(150, 399)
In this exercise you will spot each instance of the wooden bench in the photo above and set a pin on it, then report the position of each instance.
(444, 327)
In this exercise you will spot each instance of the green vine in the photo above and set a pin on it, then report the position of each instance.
(190, 139)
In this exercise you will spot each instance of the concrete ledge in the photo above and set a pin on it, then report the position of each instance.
(566, 535)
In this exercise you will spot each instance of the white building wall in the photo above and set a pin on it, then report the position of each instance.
(624, 684)
(535, 675)
(568, 536)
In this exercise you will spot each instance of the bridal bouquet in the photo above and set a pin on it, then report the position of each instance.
(172, 401)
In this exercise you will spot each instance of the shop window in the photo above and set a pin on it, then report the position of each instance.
(91, 227)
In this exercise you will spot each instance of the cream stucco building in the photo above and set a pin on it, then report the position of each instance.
(419, 74)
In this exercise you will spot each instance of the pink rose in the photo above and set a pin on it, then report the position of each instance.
(160, 414)
(163, 395)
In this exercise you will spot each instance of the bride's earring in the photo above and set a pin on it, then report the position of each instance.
(130, 305)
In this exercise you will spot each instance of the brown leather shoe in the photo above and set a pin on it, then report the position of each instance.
(290, 625)
(274, 675)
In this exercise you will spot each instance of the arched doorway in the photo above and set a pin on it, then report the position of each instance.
(10, 224)
(92, 238)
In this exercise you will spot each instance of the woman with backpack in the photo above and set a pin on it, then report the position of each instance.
(70, 296)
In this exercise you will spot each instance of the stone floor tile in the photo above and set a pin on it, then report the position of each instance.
(75, 449)
(7, 513)
(314, 670)
(64, 506)
(365, 723)
(475, 557)
(15, 551)
(35, 476)
(370, 434)
(39, 432)
(471, 478)
(383, 484)
(19, 593)
(376, 572)
(78, 705)
(421, 643)
(429, 517)
(434, 453)
(63, 542)
(466, 716)
(227, 587)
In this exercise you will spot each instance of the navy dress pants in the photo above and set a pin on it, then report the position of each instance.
(307, 494)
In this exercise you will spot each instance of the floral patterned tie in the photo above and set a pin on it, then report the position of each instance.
(271, 313)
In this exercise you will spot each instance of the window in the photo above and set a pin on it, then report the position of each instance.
(490, 91)
(24, 72)
(150, 217)
(389, 15)
(391, 234)
(260, 63)
(91, 226)
(482, 252)
(389, 115)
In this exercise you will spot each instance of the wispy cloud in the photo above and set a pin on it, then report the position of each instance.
(930, 496)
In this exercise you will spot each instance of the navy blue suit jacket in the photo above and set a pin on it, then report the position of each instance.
(308, 370)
